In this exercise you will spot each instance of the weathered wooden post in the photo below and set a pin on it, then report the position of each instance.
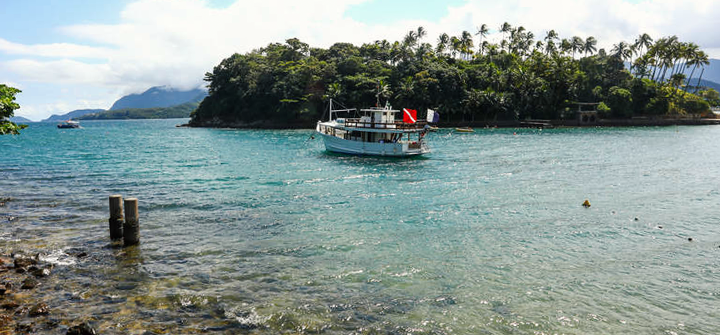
(131, 228)
(116, 217)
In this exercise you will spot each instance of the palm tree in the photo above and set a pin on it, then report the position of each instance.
(643, 41)
(565, 46)
(505, 28)
(410, 39)
(383, 90)
(622, 50)
(421, 32)
(590, 45)
(455, 45)
(701, 59)
(466, 43)
(483, 47)
(577, 45)
(549, 41)
(482, 31)
(333, 91)
(695, 58)
(442, 43)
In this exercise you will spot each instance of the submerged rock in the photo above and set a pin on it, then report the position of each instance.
(24, 262)
(81, 329)
(41, 272)
(39, 309)
(29, 283)
(24, 328)
(9, 305)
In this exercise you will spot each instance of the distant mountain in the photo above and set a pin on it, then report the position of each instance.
(159, 96)
(712, 72)
(17, 119)
(705, 83)
(71, 115)
(173, 112)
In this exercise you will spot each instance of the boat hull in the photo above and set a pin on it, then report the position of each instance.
(339, 145)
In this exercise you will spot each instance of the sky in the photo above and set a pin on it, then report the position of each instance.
(76, 54)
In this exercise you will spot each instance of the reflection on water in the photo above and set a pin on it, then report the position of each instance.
(247, 231)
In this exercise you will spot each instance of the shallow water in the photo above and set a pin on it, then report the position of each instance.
(262, 231)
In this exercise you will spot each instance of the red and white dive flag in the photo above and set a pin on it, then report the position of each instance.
(409, 115)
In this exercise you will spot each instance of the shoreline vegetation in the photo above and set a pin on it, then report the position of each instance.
(530, 123)
(468, 79)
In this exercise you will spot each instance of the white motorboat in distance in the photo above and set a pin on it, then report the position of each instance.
(375, 133)
(69, 124)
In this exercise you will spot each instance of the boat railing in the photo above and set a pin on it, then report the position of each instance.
(356, 123)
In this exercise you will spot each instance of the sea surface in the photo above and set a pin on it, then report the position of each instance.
(264, 232)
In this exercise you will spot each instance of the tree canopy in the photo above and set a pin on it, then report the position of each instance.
(7, 110)
(518, 78)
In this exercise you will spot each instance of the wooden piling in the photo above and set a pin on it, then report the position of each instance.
(116, 217)
(131, 228)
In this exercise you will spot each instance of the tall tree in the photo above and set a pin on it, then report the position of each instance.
(590, 45)
(443, 43)
(482, 31)
(505, 28)
(7, 110)
(466, 43)
(577, 45)
(622, 51)
(550, 42)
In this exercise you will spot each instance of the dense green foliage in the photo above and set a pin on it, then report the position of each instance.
(173, 112)
(7, 110)
(517, 79)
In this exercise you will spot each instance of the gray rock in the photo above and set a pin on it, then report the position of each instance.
(24, 262)
(39, 309)
(29, 283)
(81, 329)
(41, 272)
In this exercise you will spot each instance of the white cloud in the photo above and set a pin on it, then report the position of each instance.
(174, 42)
(53, 50)
(610, 21)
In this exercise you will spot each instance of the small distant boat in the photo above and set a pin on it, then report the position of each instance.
(464, 130)
(69, 124)
(433, 128)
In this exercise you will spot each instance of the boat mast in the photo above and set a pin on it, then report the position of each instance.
(330, 110)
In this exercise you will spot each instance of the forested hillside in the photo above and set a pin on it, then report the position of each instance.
(463, 77)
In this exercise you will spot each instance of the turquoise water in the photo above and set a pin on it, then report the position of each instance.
(262, 231)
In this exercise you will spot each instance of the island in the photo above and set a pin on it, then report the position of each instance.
(467, 79)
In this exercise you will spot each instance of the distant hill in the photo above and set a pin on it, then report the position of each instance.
(705, 83)
(712, 72)
(17, 119)
(173, 112)
(72, 115)
(159, 96)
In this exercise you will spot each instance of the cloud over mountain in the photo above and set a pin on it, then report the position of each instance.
(175, 42)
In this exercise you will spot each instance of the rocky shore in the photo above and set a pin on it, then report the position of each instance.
(21, 310)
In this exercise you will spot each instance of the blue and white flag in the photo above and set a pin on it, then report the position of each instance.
(433, 116)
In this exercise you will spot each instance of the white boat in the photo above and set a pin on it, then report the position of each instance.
(375, 133)
(69, 124)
